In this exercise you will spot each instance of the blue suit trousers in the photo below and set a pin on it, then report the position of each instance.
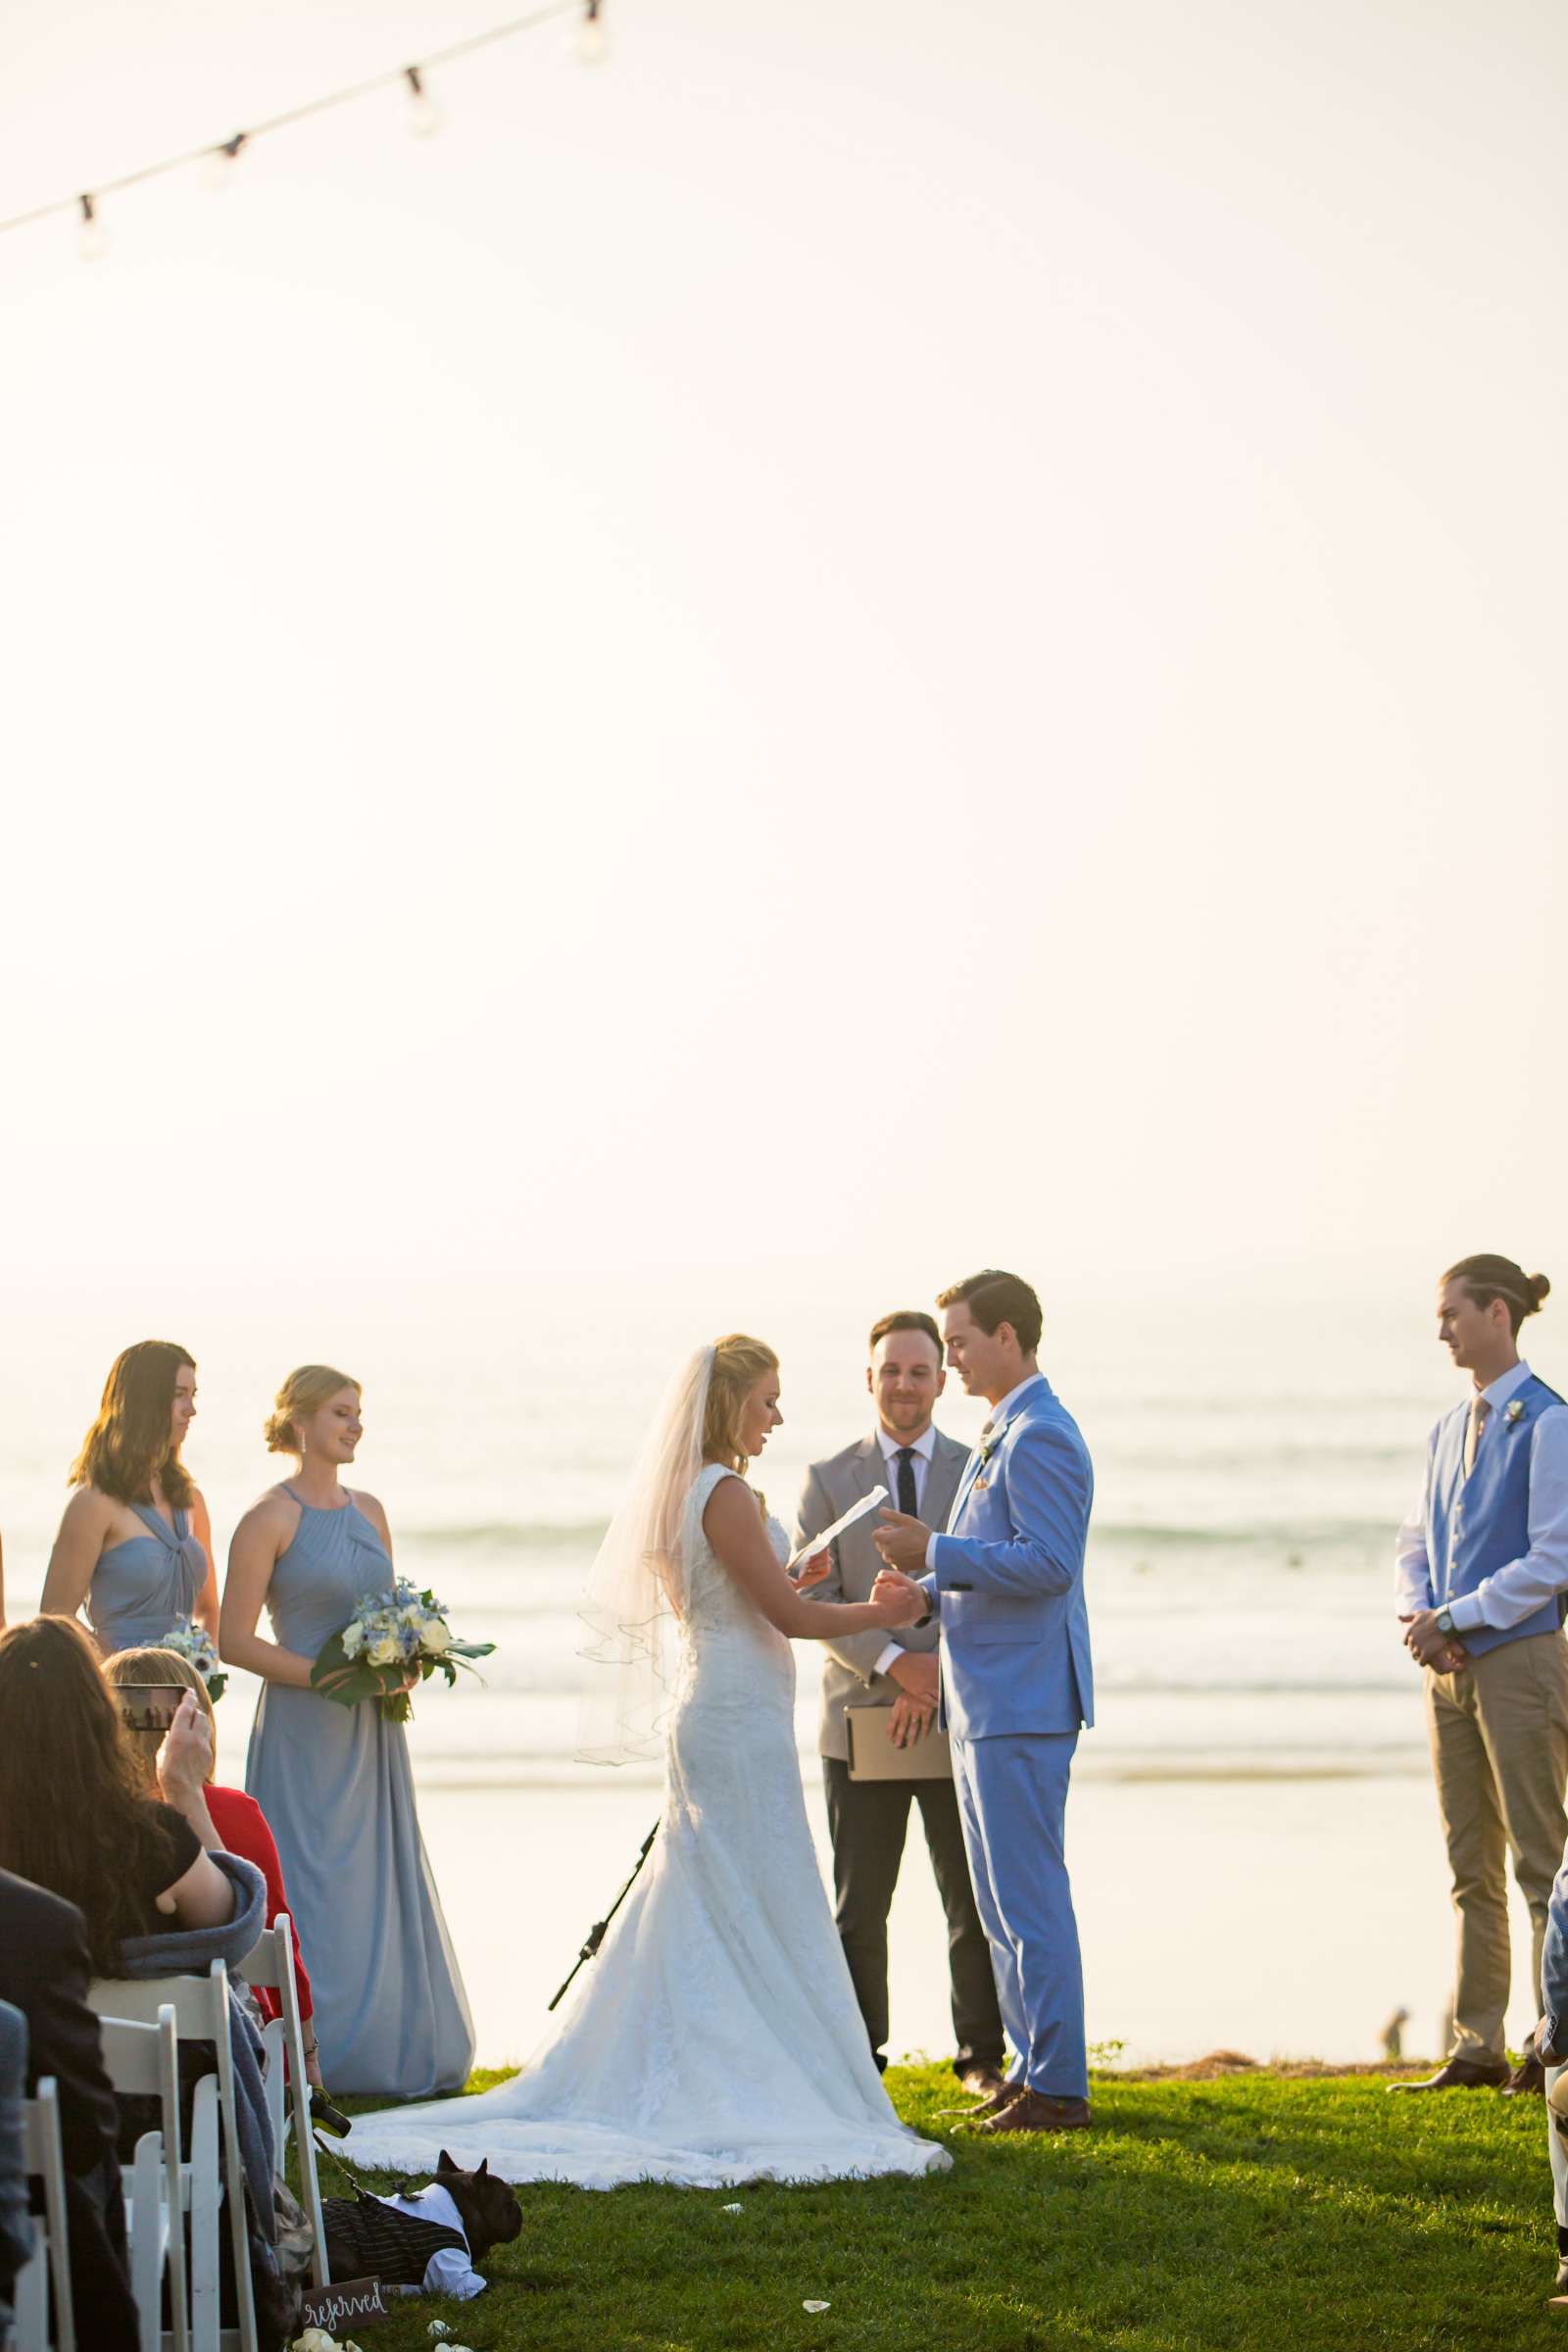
(1012, 1797)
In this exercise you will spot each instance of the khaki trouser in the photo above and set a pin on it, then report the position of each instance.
(1498, 1730)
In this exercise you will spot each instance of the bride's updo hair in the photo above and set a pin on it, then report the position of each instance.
(1488, 1278)
(302, 1394)
(739, 1363)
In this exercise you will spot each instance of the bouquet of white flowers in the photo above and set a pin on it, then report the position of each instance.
(384, 1642)
(194, 1643)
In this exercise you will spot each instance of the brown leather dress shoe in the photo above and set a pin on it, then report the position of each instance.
(1461, 2074)
(1001, 2096)
(1033, 2111)
(1528, 2080)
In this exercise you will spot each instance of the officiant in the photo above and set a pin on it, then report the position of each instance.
(868, 1816)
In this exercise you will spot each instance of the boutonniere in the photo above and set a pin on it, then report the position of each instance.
(1514, 1411)
(985, 1449)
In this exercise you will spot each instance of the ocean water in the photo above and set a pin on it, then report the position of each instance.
(1251, 1472)
(1239, 1570)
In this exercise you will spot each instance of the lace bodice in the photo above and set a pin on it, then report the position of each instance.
(713, 1600)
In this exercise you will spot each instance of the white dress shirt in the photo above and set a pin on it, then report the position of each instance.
(922, 1447)
(1520, 1586)
(449, 2270)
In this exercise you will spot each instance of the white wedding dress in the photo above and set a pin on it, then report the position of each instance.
(716, 2038)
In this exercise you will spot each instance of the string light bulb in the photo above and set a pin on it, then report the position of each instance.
(218, 164)
(92, 238)
(425, 115)
(590, 43)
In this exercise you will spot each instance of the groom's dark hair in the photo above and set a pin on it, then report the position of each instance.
(994, 1299)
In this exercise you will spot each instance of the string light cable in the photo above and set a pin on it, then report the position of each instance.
(216, 160)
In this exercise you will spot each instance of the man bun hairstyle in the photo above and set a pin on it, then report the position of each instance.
(1487, 1278)
(304, 1392)
(906, 1319)
(994, 1299)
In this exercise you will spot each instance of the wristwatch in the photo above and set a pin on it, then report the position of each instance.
(1446, 1625)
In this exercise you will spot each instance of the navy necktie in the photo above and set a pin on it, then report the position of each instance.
(906, 1495)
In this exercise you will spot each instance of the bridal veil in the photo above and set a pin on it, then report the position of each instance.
(636, 1588)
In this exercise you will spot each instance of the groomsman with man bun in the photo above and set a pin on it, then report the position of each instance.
(868, 1819)
(1482, 1582)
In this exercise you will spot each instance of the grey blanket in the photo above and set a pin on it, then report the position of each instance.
(191, 1952)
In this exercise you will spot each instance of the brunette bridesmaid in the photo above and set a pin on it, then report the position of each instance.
(333, 1781)
(135, 1551)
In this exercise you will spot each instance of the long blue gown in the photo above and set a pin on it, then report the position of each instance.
(336, 1786)
(141, 1589)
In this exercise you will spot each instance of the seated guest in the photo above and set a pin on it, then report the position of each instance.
(44, 1973)
(158, 1893)
(1548, 2044)
(238, 1820)
(16, 2236)
(72, 1815)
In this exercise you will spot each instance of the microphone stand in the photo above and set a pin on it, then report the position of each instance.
(595, 1934)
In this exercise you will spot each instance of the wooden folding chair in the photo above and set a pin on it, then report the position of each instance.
(269, 1964)
(50, 2259)
(143, 2061)
(201, 2014)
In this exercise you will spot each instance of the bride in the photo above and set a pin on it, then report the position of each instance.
(716, 2038)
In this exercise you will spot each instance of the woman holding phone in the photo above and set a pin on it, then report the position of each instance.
(72, 1815)
(134, 1547)
(151, 1683)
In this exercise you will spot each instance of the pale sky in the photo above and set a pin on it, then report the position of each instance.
(875, 626)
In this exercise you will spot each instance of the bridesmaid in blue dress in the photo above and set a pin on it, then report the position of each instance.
(134, 1550)
(334, 1781)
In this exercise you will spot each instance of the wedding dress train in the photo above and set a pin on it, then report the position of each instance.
(716, 2038)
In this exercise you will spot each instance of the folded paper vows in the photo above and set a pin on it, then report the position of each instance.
(868, 1503)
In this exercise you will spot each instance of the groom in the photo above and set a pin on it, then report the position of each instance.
(1007, 1585)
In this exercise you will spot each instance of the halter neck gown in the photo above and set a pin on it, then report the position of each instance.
(336, 1788)
(141, 1589)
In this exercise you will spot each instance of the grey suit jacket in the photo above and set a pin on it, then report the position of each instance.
(849, 1670)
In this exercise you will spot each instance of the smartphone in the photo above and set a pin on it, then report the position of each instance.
(150, 1706)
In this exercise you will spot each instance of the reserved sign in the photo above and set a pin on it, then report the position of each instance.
(351, 2299)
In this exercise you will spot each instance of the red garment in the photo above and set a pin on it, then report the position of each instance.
(242, 1826)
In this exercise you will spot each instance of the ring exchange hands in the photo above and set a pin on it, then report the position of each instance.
(1430, 1648)
(897, 1599)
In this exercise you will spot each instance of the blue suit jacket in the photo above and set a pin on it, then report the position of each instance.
(1007, 1581)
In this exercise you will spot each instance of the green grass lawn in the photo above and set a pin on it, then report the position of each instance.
(1255, 2211)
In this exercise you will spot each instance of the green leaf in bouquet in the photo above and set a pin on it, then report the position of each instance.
(360, 1679)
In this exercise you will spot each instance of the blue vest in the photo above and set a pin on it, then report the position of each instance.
(1477, 1525)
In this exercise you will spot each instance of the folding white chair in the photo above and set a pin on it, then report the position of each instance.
(201, 2014)
(50, 2258)
(143, 2061)
(269, 1964)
